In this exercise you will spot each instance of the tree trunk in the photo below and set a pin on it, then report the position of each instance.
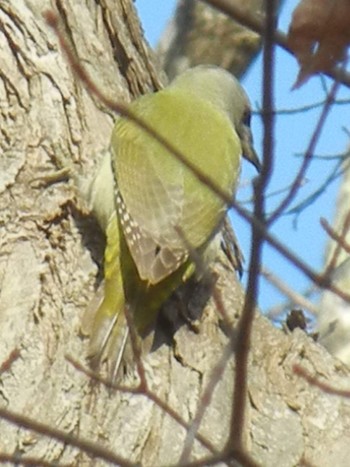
(51, 255)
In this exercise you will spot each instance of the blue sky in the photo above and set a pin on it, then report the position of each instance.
(302, 234)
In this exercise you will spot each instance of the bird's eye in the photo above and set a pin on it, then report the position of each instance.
(246, 118)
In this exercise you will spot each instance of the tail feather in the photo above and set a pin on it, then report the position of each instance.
(108, 330)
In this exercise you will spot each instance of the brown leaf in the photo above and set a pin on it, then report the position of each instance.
(319, 35)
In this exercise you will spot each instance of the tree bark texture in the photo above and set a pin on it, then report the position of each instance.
(199, 33)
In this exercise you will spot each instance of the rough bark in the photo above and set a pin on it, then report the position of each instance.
(49, 263)
(199, 33)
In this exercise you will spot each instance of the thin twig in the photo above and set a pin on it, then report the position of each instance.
(92, 449)
(256, 24)
(313, 381)
(18, 459)
(294, 296)
(260, 184)
(145, 392)
(307, 157)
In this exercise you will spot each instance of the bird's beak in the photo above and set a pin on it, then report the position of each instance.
(248, 150)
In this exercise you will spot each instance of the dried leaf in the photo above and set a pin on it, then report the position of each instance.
(319, 35)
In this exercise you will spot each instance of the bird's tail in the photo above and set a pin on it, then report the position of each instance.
(104, 319)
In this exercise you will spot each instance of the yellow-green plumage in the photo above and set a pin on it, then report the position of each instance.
(160, 212)
(159, 192)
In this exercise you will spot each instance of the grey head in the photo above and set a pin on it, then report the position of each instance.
(223, 90)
